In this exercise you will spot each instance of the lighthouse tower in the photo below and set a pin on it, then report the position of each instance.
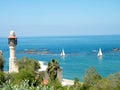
(12, 41)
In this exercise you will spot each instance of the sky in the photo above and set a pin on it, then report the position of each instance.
(59, 17)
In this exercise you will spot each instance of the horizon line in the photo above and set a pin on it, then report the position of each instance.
(65, 35)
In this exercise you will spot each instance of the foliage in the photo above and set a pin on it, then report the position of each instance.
(22, 86)
(56, 83)
(77, 84)
(28, 64)
(91, 77)
(1, 63)
(10, 77)
(25, 75)
(2, 78)
(112, 82)
(28, 79)
(25, 86)
(40, 77)
(69, 88)
(103, 84)
(27, 71)
(53, 66)
(115, 79)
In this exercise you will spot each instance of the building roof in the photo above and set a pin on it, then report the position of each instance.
(45, 82)
(12, 36)
(12, 33)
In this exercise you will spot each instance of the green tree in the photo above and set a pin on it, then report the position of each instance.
(2, 78)
(56, 84)
(27, 70)
(115, 79)
(103, 84)
(1, 63)
(27, 63)
(53, 66)
(77, 84)
(10, 77)
(24, 75)
(91, 77)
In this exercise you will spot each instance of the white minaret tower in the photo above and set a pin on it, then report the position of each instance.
(12, 41)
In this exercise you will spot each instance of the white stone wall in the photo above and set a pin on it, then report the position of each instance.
(12, 60)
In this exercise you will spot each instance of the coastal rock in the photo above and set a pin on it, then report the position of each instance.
(116, 49)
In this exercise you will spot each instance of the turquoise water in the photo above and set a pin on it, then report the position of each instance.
(81, 53)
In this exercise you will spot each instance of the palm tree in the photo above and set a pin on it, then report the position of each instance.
(53, 66)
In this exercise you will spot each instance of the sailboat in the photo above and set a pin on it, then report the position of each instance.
(62, 53)
(99, 53)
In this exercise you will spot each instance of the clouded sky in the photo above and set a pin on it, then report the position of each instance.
(60, 17)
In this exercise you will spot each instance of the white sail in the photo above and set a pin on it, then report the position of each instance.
(62, 53)
(99, 52)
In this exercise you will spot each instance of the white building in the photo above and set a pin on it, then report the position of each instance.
(12, 41)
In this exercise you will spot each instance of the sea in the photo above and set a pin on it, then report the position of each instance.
(81, 53)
